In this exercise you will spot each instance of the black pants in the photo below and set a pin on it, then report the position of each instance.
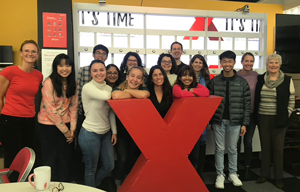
(17, 133)
(250, 129)
(272, 142)
(127, 154)
(56, 152)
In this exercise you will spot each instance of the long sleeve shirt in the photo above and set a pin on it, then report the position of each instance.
(57, 110)
(199, 91)
(100, 118)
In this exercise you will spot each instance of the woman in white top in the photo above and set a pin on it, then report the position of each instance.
(168, 63)
(99, 133)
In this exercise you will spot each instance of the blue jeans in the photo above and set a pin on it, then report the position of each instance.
(93, 146)
(232, 133)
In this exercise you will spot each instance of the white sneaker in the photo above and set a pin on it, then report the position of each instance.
(220, 182)
(235, 180)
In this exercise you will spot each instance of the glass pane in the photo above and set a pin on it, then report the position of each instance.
(238, 64)
(212, 60)
(111, 20)
(166, 41)
(185, 41)
(253, 44)
(256, 62)
(85, 59)
(213, 43)
(185, 59)
(152, 41)
(240, 43)
(198, 43)
(136, 41)
(233, 25)
(182, 23)
(121, 40)
(226, 43)
(118, 58)
(86, 39)
(151, 60)
(104, 39)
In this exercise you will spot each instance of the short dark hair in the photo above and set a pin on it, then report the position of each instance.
(174, 65)
(176, 42)
(94, 62)
(247, 53)
(227, 54)
(184, 71)
(101, 47)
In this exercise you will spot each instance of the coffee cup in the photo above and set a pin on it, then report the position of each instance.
(42, 177)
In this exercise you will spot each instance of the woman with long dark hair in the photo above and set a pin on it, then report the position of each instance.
(168, 63)
(58, 116)
(131, 59)
(160, 90)
(112, 75)
(199, 65)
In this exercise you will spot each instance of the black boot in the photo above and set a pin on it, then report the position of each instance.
(247, 173)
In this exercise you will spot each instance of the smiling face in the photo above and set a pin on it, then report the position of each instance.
(64, 69)
(166, 64)
(100, 55)
(29, 53)
(135, 79)
(227, 64)
(273, 66)
(112, 75)
(187, 79)
(98, 72)
(131, 62)
(158, 77)
(197, 65)
(248, 63)
(176, 51)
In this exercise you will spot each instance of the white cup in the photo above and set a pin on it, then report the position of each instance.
(42, 177)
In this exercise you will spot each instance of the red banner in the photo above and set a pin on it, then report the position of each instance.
(55, 30)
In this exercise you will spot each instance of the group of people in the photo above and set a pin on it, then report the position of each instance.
(79, 110)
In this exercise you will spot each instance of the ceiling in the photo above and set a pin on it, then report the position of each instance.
(288, 4)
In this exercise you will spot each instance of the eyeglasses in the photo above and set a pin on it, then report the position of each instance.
(112, 73)
(59, 188)
(166, 62)
(133, 61)
(101, 54)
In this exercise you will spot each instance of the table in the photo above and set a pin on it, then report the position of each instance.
(26, 187)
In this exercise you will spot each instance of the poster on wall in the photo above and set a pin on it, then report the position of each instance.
(55, 30)
(48, 56)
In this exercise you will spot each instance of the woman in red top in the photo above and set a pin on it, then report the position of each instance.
(19, 86)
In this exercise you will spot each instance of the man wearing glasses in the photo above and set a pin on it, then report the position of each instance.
(176, 52)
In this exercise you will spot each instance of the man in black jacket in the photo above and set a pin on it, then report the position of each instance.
(231, 117)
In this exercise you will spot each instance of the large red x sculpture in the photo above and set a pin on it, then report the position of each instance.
(165, 143)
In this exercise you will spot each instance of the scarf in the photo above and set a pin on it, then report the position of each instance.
(273, 84)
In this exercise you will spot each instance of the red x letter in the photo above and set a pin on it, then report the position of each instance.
(165, 143)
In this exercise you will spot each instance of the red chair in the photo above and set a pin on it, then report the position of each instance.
(22, 164)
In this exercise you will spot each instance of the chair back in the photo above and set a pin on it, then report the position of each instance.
(23, 163)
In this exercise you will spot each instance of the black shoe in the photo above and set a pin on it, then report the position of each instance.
(247, 173)
(279, 184)
(261, 179)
